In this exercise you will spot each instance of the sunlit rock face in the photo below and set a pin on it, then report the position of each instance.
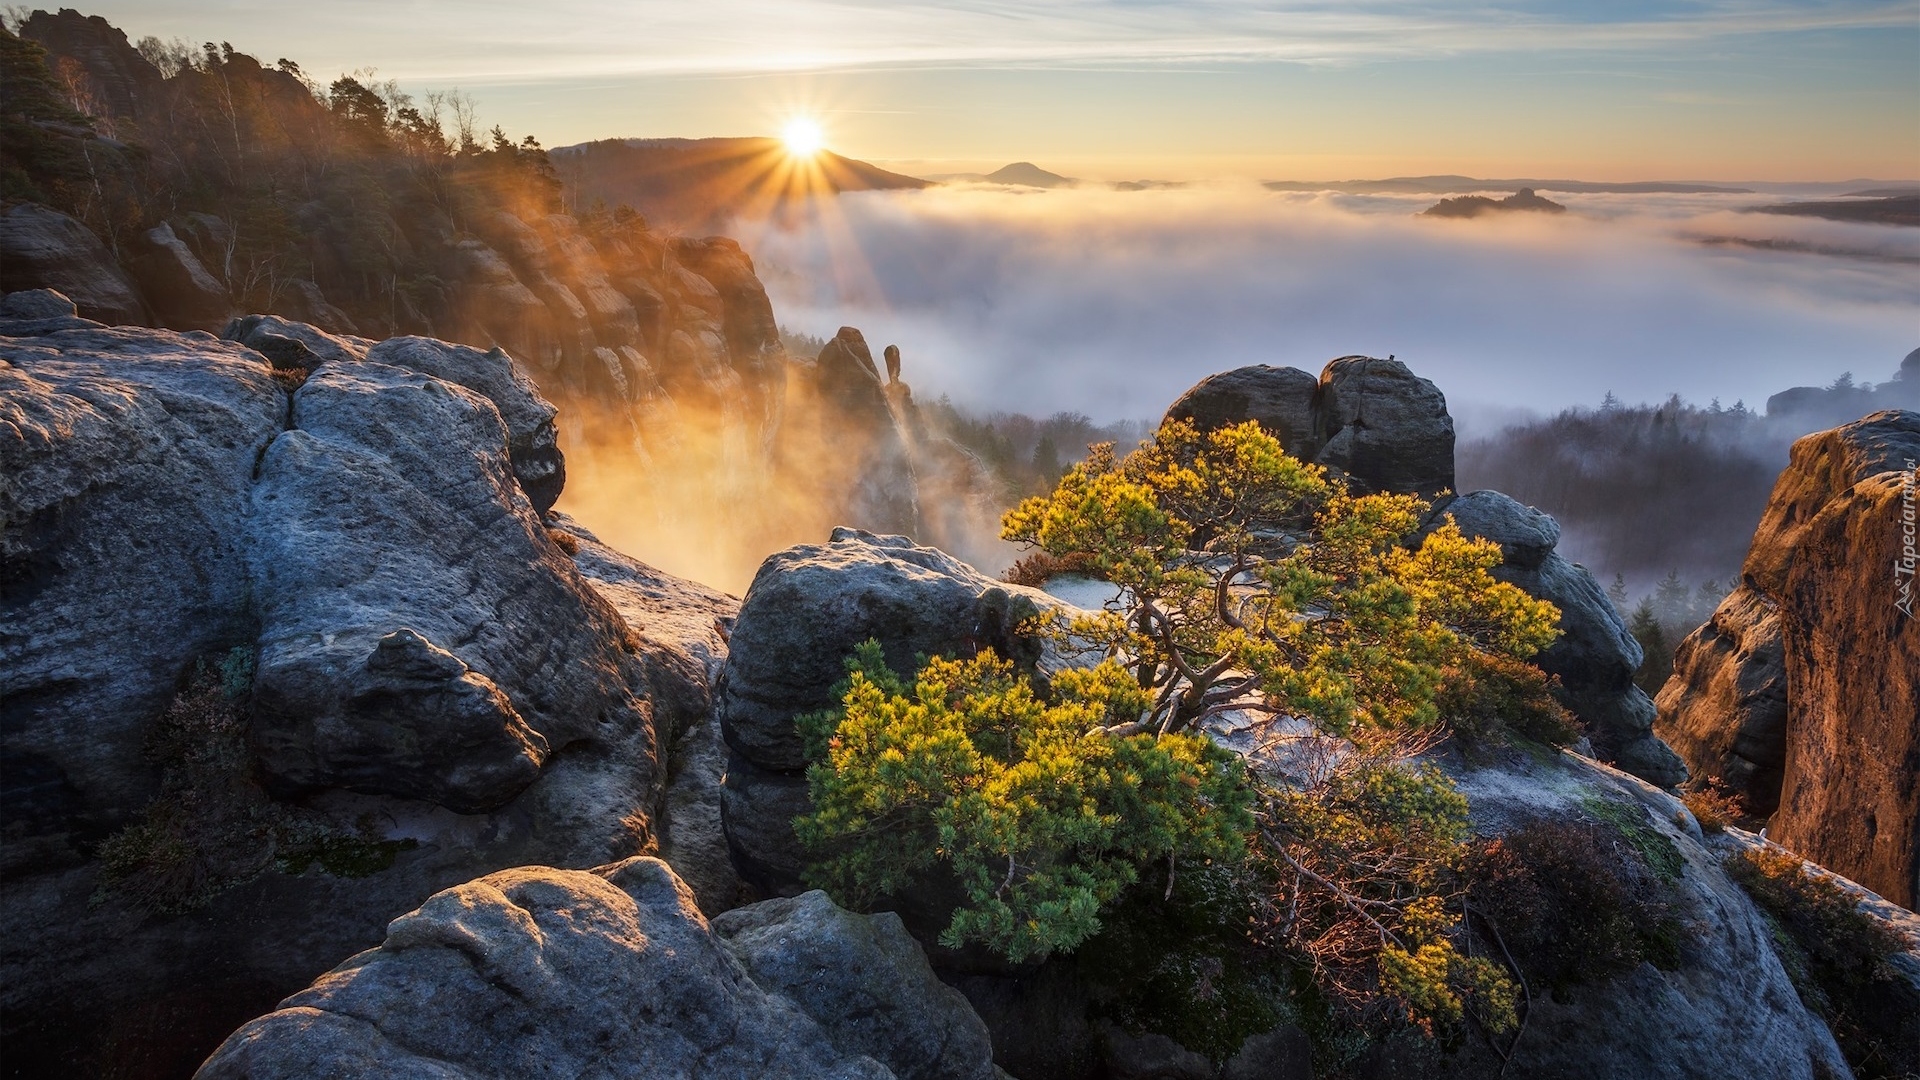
(41, 248)
(434, 661)
(1802, 692)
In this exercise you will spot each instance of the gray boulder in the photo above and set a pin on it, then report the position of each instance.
(183, 294)
(41, 248)
(867, 982)
(531, 441)
(613, 973)
(439, 632)
(1727, 1008)
(807, 610)
(1280, 398)
(1372, 421)
(126, 460)
(1384, 427)
(420, 633)
(289, 344)
(34, 312)
(1595, 657)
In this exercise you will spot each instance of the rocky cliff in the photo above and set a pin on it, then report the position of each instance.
(1802, 693)
(289, 640)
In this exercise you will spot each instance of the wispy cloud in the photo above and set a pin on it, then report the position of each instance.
(499, 40)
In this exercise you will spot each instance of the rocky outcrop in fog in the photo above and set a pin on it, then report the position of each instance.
(1371, 420)
(1725, 1004)
(1802, 692)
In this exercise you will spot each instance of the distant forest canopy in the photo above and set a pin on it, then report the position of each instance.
(277, 179)
(1663, 499)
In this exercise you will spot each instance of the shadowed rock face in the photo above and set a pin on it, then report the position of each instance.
(1373, 421)
(1595, 657)
(1803, 690)
(538, 972)
(1280, 398)
(1384, 426)
(45, 249)
(400, 576)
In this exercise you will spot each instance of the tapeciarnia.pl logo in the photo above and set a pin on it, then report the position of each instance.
(1903, 567)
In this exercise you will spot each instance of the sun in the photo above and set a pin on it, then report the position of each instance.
(803, 137)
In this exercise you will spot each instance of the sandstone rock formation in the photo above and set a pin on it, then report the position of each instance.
(449, 683)
(809, 607)
(1803, 690)
(182, 293)
(538, 972)
(1595, 657)
(1376, 422)
(42, 248)
(1382, 425)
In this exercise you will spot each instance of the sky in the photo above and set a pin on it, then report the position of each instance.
(1133, 89)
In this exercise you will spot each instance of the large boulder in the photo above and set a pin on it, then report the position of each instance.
(1814, 663)
(289, 344)
(1384, 427)
(41, 248)
(420, 633)
(538, 972)
(179, 288)
(866, 980)
(35, 312)
(809, 607)
(1595, 657)
(1373, 421)
(1280, 398)
(1725, 1006)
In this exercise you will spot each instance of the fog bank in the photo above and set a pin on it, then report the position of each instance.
(1111, 303)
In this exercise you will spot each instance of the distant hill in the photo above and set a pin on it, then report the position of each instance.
(1910, 191)
(1894, 210)
(1467, 206)
(700, 182)
(1454, 185)
(1029, 174)
(1018, 174)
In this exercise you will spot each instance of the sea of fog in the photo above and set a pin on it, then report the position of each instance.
(1110, 303)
